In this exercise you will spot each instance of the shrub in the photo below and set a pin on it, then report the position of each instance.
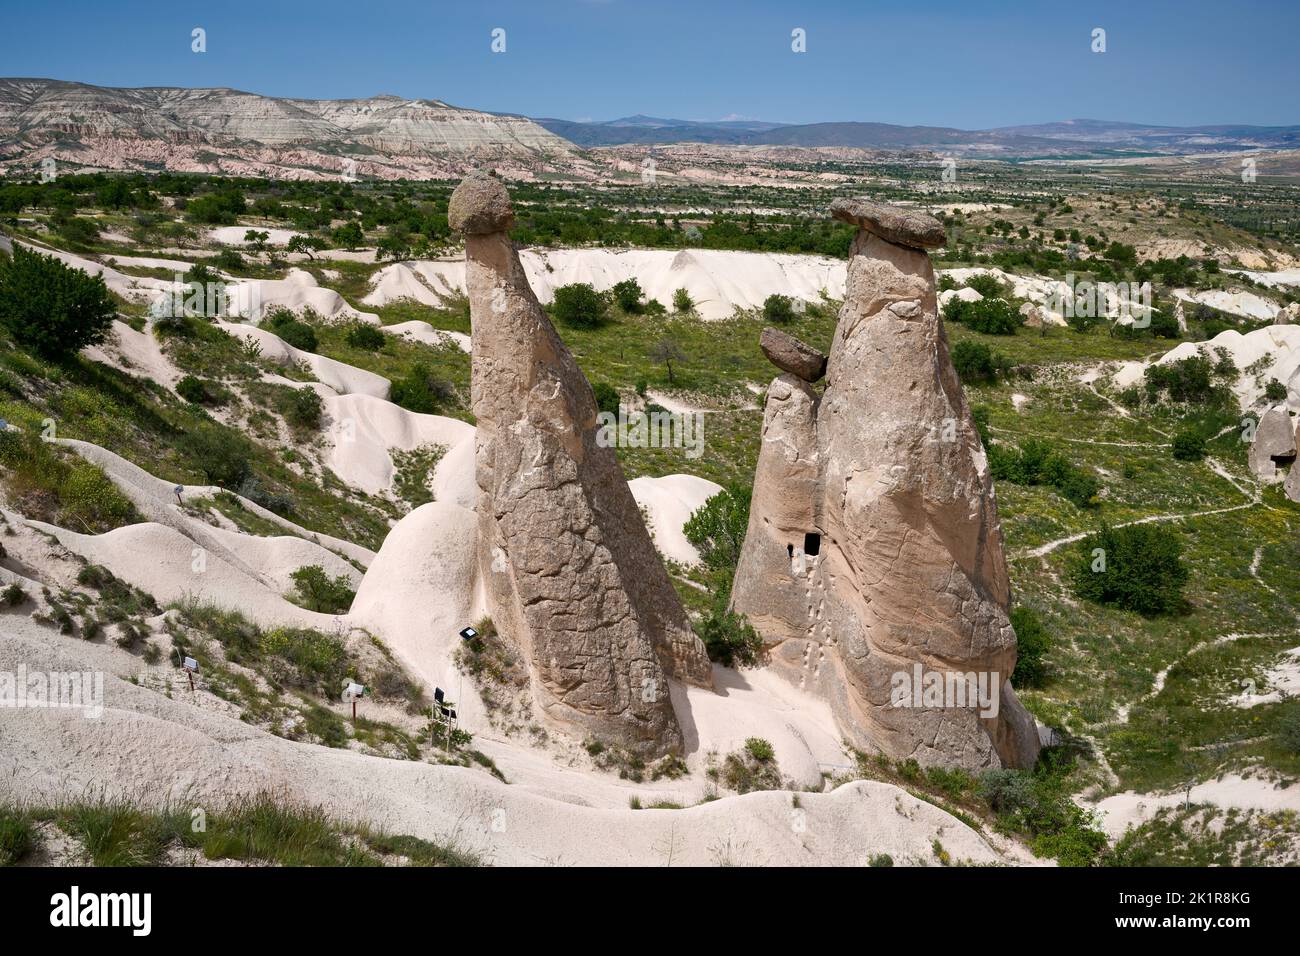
(990, 316)
(682, 301)
(1138, 568)
(1033, 642)
(628, 295)
(314, 660)
(317, 591)
(717, 528)
(1035, 462)
(607, 399)
(1189, 445)
(778, 309)
(17, 836)
(293, 330)
(192, 390)
(1288, 730)
(579, 305)
(420, 391)
(1187, 380)
(976, 362)
(760, 749)
(13, 595)
(361, 335)
(1275, 391)
(303, 407)
(728, 638)
(50, 308)
(988, 286)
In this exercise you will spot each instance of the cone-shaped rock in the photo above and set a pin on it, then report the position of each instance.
(572, 577)
(873, 564)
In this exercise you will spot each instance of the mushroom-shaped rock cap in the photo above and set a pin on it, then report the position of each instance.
(480, 206)
(896, 224)
(790, 355)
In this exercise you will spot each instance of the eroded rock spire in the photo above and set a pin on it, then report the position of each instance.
(873, 564)
(572, 577)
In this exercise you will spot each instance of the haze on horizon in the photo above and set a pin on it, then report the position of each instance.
(944, 64)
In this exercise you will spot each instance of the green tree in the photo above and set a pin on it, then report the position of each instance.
(682, 301)
(628, 295)
(1136, 567)
(579, 305)
(50, 308)
(1033, 643)
(349, 235)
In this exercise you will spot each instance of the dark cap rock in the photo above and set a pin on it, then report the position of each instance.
(480, 206)
(790, 355)
(897, 224)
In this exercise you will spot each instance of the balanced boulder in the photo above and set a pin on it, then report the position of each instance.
(790, 355)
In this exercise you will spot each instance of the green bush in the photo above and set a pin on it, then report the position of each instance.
(976, 362)
(50, 308)
(1033, 643)
(628, 295)
(579, 305)
(1189, 445)
(1035, 462)
(607, 399)
(293, 330)
(1138, 568)
(717, 528)
(420, 391)
(192, 390)
(988, 286)
(989, 316)
(303, 408)
(1188, 380)
(361, 335)
(682, 301)
(728, 638)
(316, 661)
(1275, 391)
(317, 591)
(778, 309)
(221, 454)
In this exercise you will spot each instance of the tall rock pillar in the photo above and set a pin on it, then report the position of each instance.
(874, 563)
(573, 580)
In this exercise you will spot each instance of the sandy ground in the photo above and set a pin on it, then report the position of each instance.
(1126, 809)
(670, 500)
(234, 235)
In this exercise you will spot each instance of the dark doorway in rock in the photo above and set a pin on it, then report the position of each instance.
(789, 549)
(812, 544)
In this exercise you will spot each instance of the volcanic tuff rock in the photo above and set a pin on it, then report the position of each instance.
(790, 355)
(202, 128)
(572, 578)
(1292, 485)
(874, 546)
(1274, 438)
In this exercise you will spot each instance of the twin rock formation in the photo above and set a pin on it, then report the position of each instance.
(873, 546)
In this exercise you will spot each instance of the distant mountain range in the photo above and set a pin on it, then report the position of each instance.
(231, 131)
(238, 133)
(1074, 137)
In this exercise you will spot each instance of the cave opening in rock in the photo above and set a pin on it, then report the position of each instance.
(812, 544)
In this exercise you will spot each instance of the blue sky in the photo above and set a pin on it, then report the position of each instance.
(972, 64)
